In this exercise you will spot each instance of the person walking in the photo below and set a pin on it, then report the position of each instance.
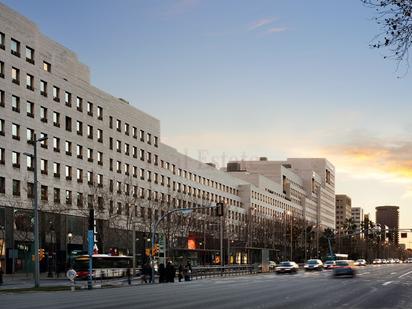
(170, 272)
(162, 273)
(180, 275)
(188, 271)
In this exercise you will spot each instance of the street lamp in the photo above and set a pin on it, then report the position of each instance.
(69, 240)
(36, 210)
(291, 234)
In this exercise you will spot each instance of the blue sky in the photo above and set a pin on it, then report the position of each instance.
(240, 79)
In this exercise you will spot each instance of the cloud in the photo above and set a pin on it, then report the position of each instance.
(276, 30)
(260, 23)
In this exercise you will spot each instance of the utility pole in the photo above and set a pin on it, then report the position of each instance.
(291, 238)
(134, 247)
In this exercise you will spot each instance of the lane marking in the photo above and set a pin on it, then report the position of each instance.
(388, 282)
(394, 273)
(405, 274)
(365, 273)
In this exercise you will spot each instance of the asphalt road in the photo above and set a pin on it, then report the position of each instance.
(382, 286)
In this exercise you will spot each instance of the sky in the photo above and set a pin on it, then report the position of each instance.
(239, 79)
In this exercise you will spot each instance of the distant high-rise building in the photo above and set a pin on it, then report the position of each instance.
(343, 210)
(389, 216)
(357, 217)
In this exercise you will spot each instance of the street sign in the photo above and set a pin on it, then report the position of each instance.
(71, 274)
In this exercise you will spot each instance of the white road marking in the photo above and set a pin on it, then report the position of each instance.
(366, 272)
(405, 274)
(388, 282)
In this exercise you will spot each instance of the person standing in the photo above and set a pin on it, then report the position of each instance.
(162, 273)
(180, 275)
(170, 272)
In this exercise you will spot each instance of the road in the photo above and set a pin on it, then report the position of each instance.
(381, 286)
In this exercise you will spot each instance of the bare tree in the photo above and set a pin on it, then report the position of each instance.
(395, 20)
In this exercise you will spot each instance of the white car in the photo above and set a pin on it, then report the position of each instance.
(360, 262)
(287, 267)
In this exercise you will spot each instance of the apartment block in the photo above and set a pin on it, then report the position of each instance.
(343, 210)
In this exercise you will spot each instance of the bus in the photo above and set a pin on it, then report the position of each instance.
(104, 266)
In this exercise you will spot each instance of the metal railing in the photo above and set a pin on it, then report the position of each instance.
(201, 272)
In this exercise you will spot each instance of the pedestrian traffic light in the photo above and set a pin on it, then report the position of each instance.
(41, 254)
(219, 209)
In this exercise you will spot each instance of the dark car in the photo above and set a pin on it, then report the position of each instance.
(313, 264)
(344, 268)
(287, 267)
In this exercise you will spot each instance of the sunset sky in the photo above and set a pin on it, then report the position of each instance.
(242, 79)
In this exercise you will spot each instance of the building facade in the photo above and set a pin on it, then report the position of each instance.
(343, 210)
(389, 216)
(105, 154)
(357, 217)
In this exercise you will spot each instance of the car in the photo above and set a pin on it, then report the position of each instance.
(384, 261)
(272, 266)
(360, 262)
(409, 260)
(313, 264)
(397, 261)
(329, 264)
(287, 267)
(377, 261)
(344, 268)
(391, 261)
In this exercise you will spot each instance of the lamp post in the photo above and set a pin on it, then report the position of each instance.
(291, 234)
(69, 240)
(36, 210)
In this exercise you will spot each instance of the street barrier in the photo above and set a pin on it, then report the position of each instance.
(201, 272)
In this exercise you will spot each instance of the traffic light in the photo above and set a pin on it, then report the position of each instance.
(41, 254)
(219, 209)
(156, 249)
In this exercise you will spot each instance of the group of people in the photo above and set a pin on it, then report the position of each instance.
(167, 273)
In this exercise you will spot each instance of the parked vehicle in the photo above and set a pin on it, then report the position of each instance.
(313, 264)
(329, 264)
(377, 261)
(409, 260)
(360, 262)
(287, 267)
(344, 268)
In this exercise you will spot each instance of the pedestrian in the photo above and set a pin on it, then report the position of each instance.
(180, 275)
(188, 271)
(170, 272)
(149, 272)
(162, 273)
(1, 275)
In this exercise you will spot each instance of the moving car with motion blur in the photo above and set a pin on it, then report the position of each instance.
(287, 267)
(344, 268)
(313, 264)
(377, 261)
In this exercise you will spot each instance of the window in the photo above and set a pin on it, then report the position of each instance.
(141, 135)
(68, 171)
(2, 185)
(29, 163)
(30, 190)
(79, 128)
(111, 164)
(30, 136)
(142, 174)
(2, 98)
(142, 154)
(111, 143)
(149, 138)
(68, 98)
(119, 146)
(100, 135)
(79, 151)
(46, 66)
(79, 199)
(29, 82)
(90, 132)
(90, 108)
(126, 149)
(119, 166)
(56, 119)
(134, 152)
(56, 169)
(15, 131)
(126, 128)
(100, 180)
(1, 69)
(2, 132)
(68, 148)
(100, 113)
(15, 159)
(15, 75)
(43, 143)
(79, 104)
(68, 197)
(156, 159)
(30, 55)
(134, 132)
(134, 171)
(90, 178)
(43, 114)
(56, 144)
(79, 175)
(119, 187)
(118, 125)
(16, 187)
(100, 158)
(30, 109)
(44, 193)
(56, 94)
(43, 88)
(15, 104)
(43, 166)
(156, 141)
(110, 122)
(89, 154)
(2, 156)
(2, 40)
(126, 169)
(68, 124)
(15, 47)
